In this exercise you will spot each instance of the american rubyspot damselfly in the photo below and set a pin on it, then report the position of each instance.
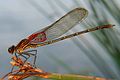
(50, 34)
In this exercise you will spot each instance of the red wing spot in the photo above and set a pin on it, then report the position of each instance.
(31, 37)
(35, 38)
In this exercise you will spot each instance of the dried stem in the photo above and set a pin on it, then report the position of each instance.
(26, 70)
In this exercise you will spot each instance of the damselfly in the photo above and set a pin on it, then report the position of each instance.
(50, 34)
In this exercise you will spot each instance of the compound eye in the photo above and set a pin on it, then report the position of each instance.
(11, 49)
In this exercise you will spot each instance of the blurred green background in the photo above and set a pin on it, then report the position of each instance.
(92, 54)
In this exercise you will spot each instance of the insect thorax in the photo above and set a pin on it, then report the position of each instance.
(22, 45)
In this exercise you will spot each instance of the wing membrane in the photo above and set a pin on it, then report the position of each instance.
(60, 27)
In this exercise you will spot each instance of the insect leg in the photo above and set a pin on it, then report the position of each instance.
(16, 61)
(33, 54)
(26, 58)
(12, 69)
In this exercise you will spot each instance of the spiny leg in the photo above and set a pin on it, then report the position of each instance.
(29, 53)
(16, 61)
(26, 58)
(12, 69)
(35, 56)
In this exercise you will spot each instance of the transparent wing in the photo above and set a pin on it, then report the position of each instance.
(60, 27)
